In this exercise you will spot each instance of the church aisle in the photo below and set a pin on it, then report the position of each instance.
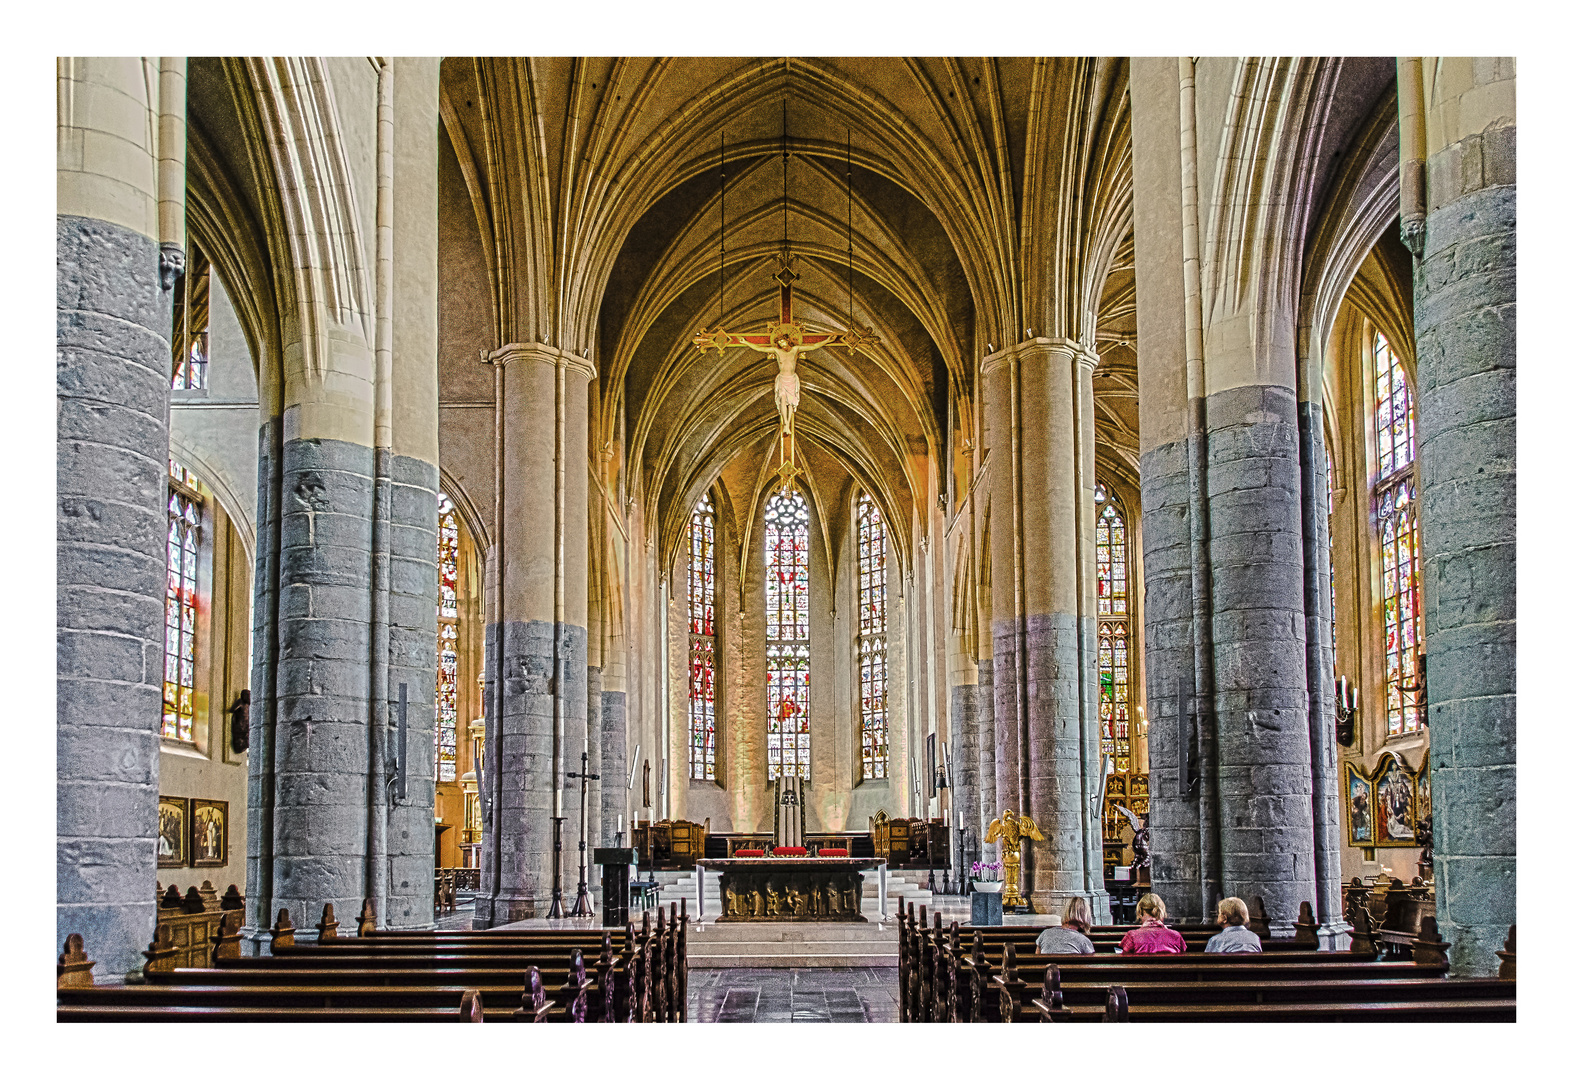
(792, 996)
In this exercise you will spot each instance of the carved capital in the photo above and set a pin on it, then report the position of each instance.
(540, 353)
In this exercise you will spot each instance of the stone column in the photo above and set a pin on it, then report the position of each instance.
(987, 801)
(964, 712)
(539, 638)
(112, 385)
(1174, 774)
(1086, 481)
(1466, 339)
(1258, 622)
(411, 468)
(1040, 648)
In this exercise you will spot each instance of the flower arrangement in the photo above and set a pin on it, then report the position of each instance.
(986, 871)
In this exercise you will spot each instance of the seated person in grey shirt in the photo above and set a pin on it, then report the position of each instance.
(1235, 935)
(1071, 935)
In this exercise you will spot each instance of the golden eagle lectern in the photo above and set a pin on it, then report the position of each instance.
(1008, 829)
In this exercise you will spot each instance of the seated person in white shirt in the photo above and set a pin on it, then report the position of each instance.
(1235, 935)
(1071, 935)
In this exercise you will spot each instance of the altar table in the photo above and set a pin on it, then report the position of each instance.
(804, 889)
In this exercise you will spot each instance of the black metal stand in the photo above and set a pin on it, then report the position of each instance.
(557, 869)
(582, 908)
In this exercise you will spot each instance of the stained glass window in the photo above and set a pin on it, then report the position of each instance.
(447, 733)
(1111, 557)
(701, 642)
(1114, 692)
(180, 602)
(786, 634)
(1396, 526)
(1395, 417)
(872, 674)
(1400, 604)
(1332, 584)
(1114, 680)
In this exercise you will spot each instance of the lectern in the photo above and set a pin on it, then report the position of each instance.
(615, 863)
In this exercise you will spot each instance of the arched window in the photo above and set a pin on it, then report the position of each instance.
(1114, 682)
(786, 633)
(875, 734)
(447, 733)
(1394, 499)
(188, 338)
(180, 602)
(701, 642)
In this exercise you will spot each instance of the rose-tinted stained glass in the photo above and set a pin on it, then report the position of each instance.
(1111, 557)
(180, 602)
(447, 729)
(701, 642)
(1400, 604)
(874, 753)
(786, 634)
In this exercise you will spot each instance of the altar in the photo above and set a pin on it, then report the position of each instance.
(791, 888)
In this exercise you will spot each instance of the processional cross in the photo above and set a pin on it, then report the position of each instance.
(785, 341)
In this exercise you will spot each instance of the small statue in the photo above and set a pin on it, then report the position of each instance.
(1423, 838)
(1140, 849)
(1008, 830)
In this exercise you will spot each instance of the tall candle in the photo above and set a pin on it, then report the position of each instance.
(619, 823)
(557, 802)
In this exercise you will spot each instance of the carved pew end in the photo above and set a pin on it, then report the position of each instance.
(470, 1009)
(366, 922)
(1429, 948)
(1117, 1009)
(1508, 954)
(283, 931)
(328, 928)
(1305, 929)
(74, 968)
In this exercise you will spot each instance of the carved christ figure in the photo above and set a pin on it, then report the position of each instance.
(784, 341)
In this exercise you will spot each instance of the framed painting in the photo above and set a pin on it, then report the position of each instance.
(1357, 806)
(1393, 798)
(173, 841)
(209, 832)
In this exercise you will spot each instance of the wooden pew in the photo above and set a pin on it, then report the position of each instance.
(398, 976)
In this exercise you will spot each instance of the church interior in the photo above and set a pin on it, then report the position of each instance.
(749, 539)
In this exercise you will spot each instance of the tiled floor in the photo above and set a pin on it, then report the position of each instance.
(792, 995)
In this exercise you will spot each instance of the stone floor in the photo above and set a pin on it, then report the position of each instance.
(792, 995)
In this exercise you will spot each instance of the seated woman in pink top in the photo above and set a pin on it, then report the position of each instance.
(1152, 936)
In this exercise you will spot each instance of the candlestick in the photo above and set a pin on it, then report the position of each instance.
(619, 823)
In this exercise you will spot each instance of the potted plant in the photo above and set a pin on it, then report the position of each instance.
(986, 877)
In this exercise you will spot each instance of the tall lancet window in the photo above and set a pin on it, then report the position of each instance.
(786, 633)
(701, 642)
(180, 601)
(1394, 497)
(1114, 678)
(875, 736)
(447, 733)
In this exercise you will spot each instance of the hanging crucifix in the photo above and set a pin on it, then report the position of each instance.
(785, 341)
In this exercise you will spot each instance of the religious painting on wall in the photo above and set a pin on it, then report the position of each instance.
(1357, 805)
(209, 832)
(1394, 803)
(172, 837)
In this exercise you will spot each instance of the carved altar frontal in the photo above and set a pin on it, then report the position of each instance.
(791, 889)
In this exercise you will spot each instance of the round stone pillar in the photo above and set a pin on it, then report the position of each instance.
(1465, 406)
(111, 479)
(539, 658)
